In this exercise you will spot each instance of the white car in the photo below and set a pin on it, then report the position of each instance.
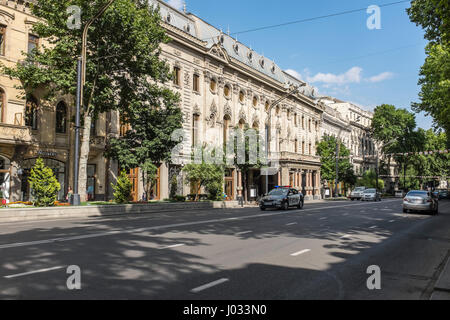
(371, 195)
(357, 193)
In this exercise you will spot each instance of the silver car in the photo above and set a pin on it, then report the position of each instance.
(420, 201)
(371, 195)
(357, 193)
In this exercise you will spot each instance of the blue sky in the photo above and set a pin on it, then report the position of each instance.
(339, 55)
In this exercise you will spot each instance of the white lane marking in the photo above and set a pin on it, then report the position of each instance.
(209, 285)
(300, 252)
(33, 272)
(373, 227)
(244, 232)
(140, 230)
(392, 221)
(291, 224)
(346, 236)
(324, 218)
(173, 246)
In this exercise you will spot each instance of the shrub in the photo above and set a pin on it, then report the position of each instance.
(43, 184)
(122, 189)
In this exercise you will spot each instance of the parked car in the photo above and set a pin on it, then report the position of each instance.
(420, 201)
(357, 193)
(443, 194)
(371, 195)
(282, 198)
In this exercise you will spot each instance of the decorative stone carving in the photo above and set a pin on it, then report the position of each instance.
(227, 111)
(196, 110)
(242, 115)
(212, 115)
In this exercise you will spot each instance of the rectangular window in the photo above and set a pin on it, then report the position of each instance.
(196, 83)
(33, 43)
(303, 147)
(176, 76)
(2, 40)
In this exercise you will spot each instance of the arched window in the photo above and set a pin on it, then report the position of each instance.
(61, 118)
(31, 113)
(2, 106)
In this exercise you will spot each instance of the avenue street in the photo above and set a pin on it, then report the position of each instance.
(320, 252)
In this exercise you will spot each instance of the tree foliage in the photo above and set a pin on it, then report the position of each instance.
(369, 180)
(122, 189)
(433, 16)
(435, 85)
(205, 175)
(326, 149)
(43, 184)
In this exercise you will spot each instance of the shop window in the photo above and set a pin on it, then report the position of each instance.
(61, 118)
(31, 113)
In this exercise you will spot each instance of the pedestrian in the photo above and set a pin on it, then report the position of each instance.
(69, 194)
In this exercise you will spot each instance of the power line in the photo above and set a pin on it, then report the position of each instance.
(311, 19)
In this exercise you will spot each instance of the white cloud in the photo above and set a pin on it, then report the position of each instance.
(177, 4)
(351, 76)
(294, 73)
(381, 77)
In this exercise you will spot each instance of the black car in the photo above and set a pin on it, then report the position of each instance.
(282, 198)
(443, 194)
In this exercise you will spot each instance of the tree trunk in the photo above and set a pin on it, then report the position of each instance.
(244, 184)
(84, 156)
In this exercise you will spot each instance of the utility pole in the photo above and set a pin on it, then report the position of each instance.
(81, 79)
(337, 168)
(376, 170)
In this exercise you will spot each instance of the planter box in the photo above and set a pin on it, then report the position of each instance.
(29, 214)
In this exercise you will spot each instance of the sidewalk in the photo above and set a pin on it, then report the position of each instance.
(442, 286)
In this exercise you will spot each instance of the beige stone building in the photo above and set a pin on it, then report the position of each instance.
(30, 128)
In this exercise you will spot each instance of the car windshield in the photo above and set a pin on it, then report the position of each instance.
(360, 189)
(278, 192)
(370, 191)
(421, 194)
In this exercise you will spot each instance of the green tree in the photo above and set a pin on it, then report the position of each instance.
(247, 156)
(326, 149)
(149, 174)
(205, 175)
(43, 184)
(369, 180)
(123, 72)
(433, 16)
(435, 86)
(122, 189)
(396, 130)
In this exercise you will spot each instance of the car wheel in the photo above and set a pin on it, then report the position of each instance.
(262, 208)
(405, 211)
(285, 206)
(300, 204)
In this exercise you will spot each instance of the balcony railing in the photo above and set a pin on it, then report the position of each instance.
(14, 134)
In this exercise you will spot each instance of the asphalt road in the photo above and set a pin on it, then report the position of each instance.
(320, 252)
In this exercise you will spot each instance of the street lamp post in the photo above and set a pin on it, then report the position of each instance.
(81, 79)
(293, 90)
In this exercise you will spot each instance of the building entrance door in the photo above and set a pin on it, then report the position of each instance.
(229, 184)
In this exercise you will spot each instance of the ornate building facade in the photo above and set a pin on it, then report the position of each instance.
(223, 84)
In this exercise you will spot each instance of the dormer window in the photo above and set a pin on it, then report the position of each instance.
(168, 18)
(221, 39)
(250, 56)
(273, 69)
(187, 28)
(262, 62)
(236, 48)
